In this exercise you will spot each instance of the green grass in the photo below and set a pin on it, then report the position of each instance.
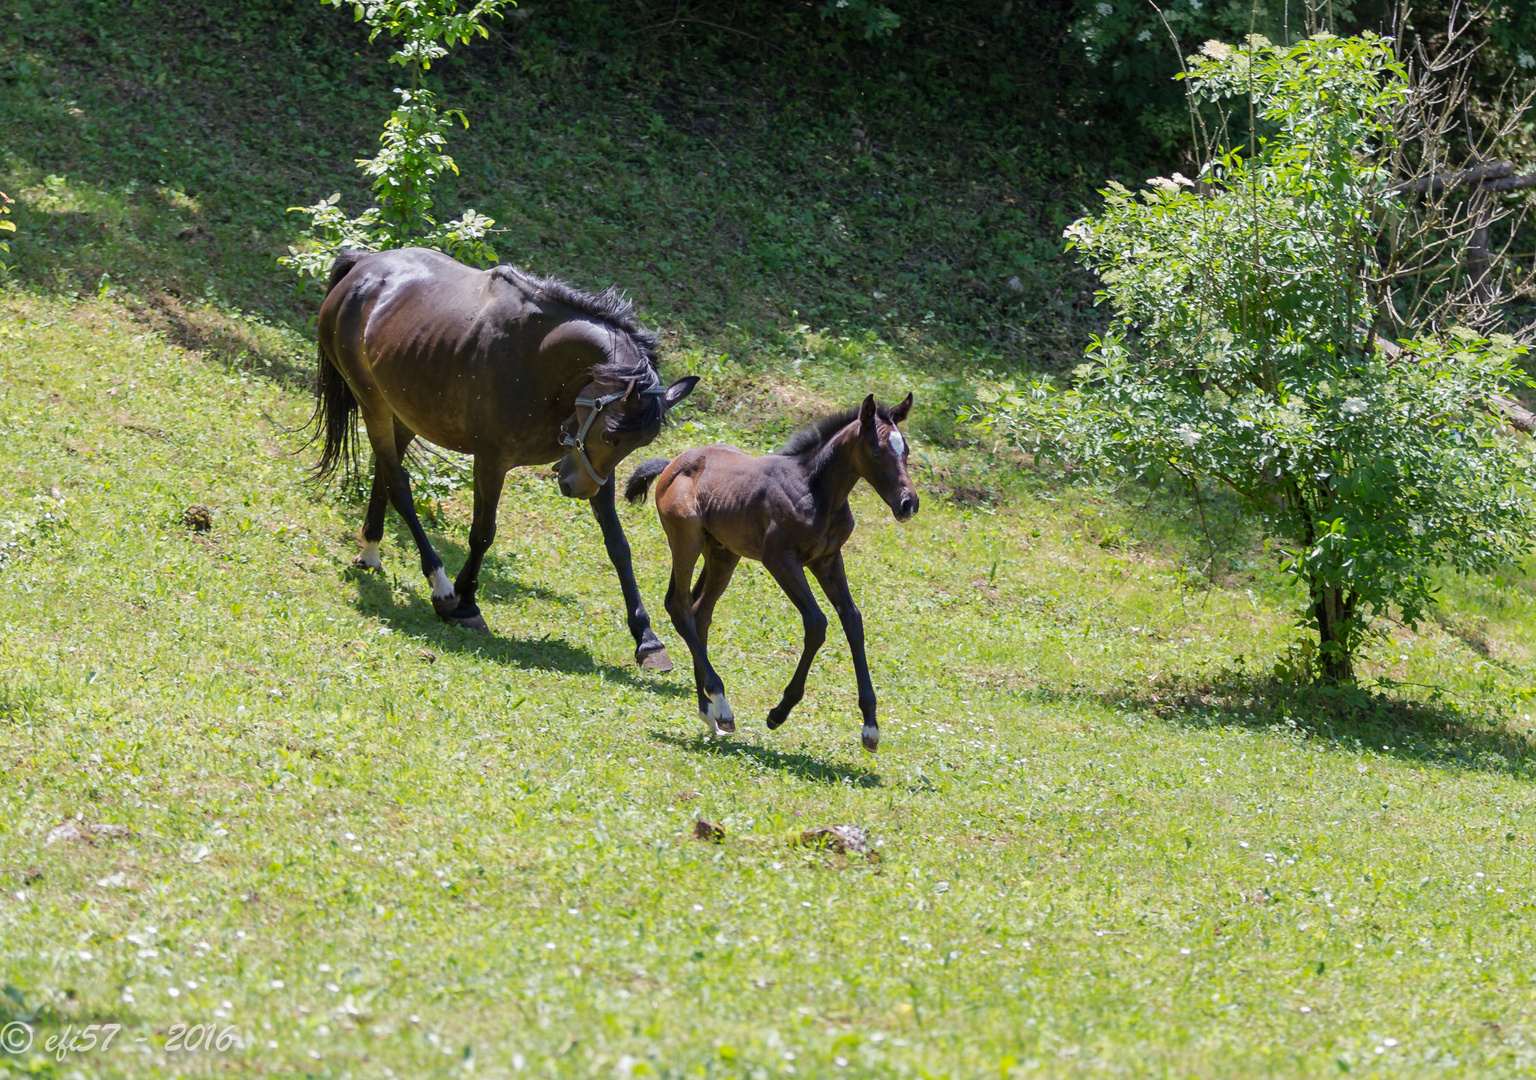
(1112, 840)
(374, 845)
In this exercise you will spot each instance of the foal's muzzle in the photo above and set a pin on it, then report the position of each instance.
(906, 507)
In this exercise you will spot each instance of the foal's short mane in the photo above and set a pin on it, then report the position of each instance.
(813, 438)
(609, 306)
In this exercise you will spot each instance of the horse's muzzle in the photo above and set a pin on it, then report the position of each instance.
(906, 507)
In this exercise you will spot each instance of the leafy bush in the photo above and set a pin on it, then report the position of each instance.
(1242, 352)
(412, 157)
(5, 226)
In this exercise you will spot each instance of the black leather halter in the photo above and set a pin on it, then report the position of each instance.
(578, 442)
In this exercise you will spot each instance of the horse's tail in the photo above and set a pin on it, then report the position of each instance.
(335, 415)
(641, 479)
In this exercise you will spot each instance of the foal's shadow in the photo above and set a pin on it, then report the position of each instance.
(416, 618)
(804, 766)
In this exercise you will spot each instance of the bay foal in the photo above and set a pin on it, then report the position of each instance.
(789, 511)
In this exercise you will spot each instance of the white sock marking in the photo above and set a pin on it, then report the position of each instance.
(442, 588)
(370, 555)
(718, 709)
(872, 734)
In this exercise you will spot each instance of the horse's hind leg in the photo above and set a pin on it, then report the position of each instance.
(790, 575)
(372, 532)
(687, 542)
(386, 432)
(482, 532)
(834, 582)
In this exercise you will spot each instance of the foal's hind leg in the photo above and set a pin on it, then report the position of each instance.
(719, 565)
(790, 575)
(687, 542)
(385, 432)
(372, 532)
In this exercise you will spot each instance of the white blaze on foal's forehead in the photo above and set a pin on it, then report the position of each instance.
(898, 444)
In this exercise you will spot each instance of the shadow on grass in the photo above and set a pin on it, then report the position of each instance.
(803, 766)
(415, 617)
(1378, 718)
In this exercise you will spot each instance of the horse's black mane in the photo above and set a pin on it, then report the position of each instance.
(813, 438)
(609, 306)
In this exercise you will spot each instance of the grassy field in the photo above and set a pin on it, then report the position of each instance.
(345, 840)
(366, 844)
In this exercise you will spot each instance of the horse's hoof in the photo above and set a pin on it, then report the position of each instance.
(871, 738)
(446, 606)
(655, 660)
(775, 719)
(717, 717)
(473, 621)
(361, 563)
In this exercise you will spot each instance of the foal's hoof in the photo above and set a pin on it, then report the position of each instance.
(446, 606)
(775, 718)
(654, 660)
(361, 563)
(871, 738)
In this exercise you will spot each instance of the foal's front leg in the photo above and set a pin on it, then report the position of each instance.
(790, 575)
(834, 582)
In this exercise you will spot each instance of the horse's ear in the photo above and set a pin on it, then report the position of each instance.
(899, 413)
(867, 426)
(679, 390)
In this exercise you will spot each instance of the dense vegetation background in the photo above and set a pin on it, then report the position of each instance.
(732, 164)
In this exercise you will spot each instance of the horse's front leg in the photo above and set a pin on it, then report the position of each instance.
(790, 575)
(834, 582)
(649, 651)
(489, 479)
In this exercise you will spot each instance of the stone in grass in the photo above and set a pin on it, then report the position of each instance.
(843, 839)
(704, 829)
(197, 517)
(74, 831)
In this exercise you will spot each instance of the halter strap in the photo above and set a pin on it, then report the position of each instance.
(578, 442)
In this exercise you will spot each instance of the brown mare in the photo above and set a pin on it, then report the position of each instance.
(508, 367)
(789, 511)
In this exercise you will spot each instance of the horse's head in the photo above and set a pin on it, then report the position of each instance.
(882, 456)
(614, 417)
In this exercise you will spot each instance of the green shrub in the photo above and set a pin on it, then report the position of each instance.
(412, 157)
(1242, 352)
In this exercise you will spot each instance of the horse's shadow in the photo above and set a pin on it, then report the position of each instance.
(796, 764)
(414, 616)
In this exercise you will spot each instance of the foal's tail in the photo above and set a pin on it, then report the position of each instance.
(335, 415)
(641, 479)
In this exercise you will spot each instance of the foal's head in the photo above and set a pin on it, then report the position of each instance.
(880, 456)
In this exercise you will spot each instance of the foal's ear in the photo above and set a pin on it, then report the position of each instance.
(899, 413)
(867, 426)
(679, 390)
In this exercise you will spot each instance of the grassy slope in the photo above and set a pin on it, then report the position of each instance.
(1069, 773)
(378, 862)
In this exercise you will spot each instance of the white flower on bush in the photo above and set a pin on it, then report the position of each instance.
(1526, 60)
(1354, 406)
(1188, 435)
(1105, 9)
